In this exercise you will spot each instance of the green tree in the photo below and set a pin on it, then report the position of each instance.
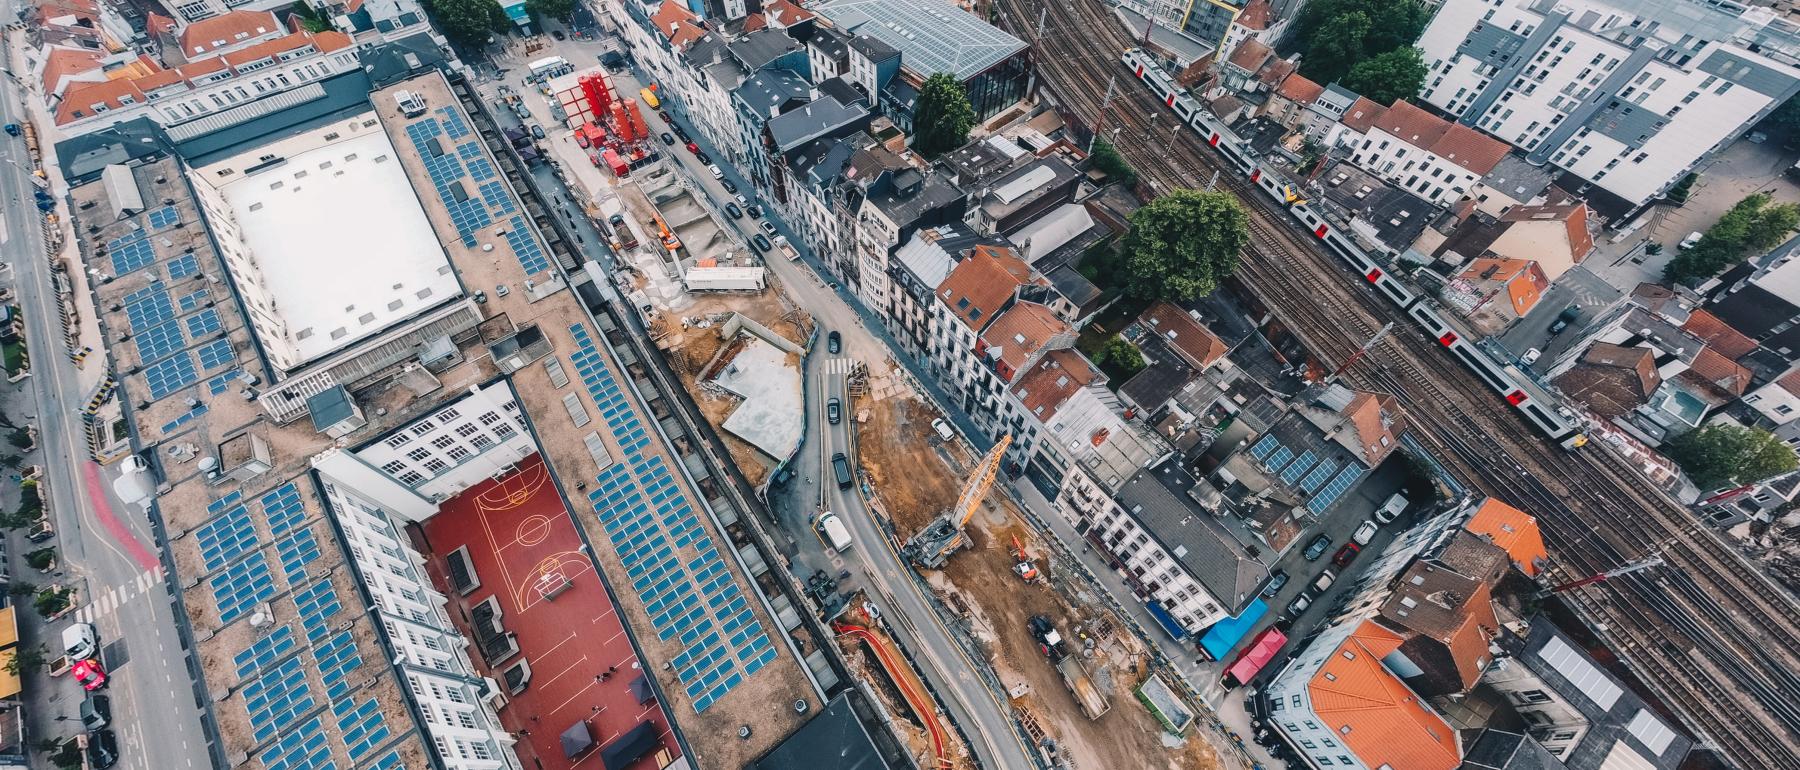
(1754, 225)
(555, 9)
(1335, 35)
(1722, 455)
(1784, 118)
(310, 20)
(1110, 162)
(1181, 245)
(51, 601)
(1388, 77)
(467, 22)
(943, 117)
(25, 659)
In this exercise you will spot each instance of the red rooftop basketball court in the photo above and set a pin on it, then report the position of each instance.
(544, 627)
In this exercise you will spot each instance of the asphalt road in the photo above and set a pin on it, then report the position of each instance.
(105, 546)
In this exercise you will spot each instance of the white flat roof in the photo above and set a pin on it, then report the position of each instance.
(339, 237)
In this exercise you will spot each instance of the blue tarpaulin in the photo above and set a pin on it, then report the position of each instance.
(1225, 634)
(1167, 621)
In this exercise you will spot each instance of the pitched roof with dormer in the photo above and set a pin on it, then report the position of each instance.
(1052, 380)
(1454, 142)
(1719, 335)
(209, 35)
(1191, 340)
(1375, 714)
(1298, 89)
(1378, 422)
(980, 286)
(1254, 16)
(1514, 531)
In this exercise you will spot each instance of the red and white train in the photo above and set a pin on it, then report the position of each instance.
(1503, 379)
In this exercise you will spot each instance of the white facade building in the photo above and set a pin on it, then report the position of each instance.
(1420, 152)
(1626, 94)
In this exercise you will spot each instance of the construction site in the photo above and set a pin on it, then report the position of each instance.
(1068, 662)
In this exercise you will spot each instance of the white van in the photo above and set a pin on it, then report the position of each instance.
(80, 642)
(943, 430)
(833, 532)
(716, 171)
(1391, 509)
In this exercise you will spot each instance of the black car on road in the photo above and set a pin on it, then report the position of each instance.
(762, 244)
(734, 211)
(668, 139)
(1317, 547)
(833, 342)
(833, 411)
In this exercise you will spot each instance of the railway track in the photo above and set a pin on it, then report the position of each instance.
(1709, 634)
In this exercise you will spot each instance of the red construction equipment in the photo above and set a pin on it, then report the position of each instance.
(638, 128)
(614, 162)
(598, 93)
(621, 123)
(1023, 566)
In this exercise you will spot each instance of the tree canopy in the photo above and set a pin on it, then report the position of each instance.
(1755, 224)
(1181, 245)
(1388, 77)
(943, 117)
(1109, 161)
(555, 9)
(467, 22)
(1336, 35)
(1721, 455)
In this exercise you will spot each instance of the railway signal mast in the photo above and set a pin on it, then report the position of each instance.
(1374, 340)
(1620, 571)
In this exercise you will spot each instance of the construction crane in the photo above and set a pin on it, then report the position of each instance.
(1620, 571)
(932, 546)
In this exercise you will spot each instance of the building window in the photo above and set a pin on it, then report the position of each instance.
(419, 455)
(503, 430)
(458, 454)
(443, 442)
(482, 441)
(411, 479)
(394, 467)
(1533, 696)
(490, 418)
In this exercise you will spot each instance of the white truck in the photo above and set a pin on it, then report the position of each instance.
(833, 532)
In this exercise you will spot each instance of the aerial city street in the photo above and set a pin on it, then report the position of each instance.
(899, 384)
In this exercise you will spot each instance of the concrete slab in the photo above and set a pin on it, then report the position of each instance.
(772, 416)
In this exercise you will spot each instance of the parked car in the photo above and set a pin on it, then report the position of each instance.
(80, 641)
(755, 211)
(558, 34)
(943, 429)
(718, 173)
(834, 343)
(768, 227)
(102, 749)
(734, 211)
(833, 411)
(1277, 581)
(762, 244)
(96, 711)
(1298, 605)
(1323, 582)
(89, 673)
(693, 148)
(1317, 547)
(1346, 554)
(1692, 240)
(668, 139)
(840, 467)
(729, 187)
(1391, 509)
(703, 158)
(537, 131)
(1364, 533)
(676, 127)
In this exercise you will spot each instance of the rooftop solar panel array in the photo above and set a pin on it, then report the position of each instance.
(159, 342)
(1340, 484)
(166, 216)
(240, 586)
(297, 550)
(148, 307)
(1303, 474)
(447, 174)
(159, 337)
(183, 266)
(456, 174)
(495, 195)
(454, 127)
(282, 508)
(185, 418)
(531, 256)
(264, 652)
(301, 748)
(203, 323)
(315, 604)
(131, 252)
(361, 725)
(192, 300)
(277, 697)
(481, 170)
(228, 532)
(647, 518)
(337, 657)
(170, 375)
(222, 382)
(215, 354)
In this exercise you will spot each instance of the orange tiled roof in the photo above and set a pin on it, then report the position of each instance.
(669, 17)
(1251, 54)
(1523, 279)
(782, 13)
(1374, 714)
(1376, 417)
(1459, 144)
(1515, 531)
(196, 69)
(1574, 218)
(1790, 382)
(754, 22)
(1299, 89)
(1719, 335)
(1255, 15)
(1720, 372)
(1048, 384)
(1363, 114)
(1021, 331)
(81, 99)
(227, 30)
(267, 49)
(979, 286)
(1195, 342)
(65, 63)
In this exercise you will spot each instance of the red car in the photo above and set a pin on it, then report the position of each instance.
(694, 148)
(89, 673)
(1346, 554)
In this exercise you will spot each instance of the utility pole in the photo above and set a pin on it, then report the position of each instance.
(1620, 571)
(1100, 121)
(1373, 339)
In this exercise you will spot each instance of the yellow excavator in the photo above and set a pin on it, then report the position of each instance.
(932, 546)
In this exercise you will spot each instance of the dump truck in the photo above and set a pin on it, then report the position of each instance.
(1068, 663)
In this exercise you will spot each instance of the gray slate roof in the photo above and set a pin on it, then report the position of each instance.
(1187, 530)
(932, 36)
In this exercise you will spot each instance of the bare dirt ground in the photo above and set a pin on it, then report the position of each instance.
(897, 448)
(691, 339)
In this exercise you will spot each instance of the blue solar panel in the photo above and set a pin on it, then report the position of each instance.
(159, 342)
(468, 150)
(241, 586)
(166, 216)
(454, 127)
(1345, 479)
(283, 508)
(337, 657)
(389, 762)
(360, 725)
(481, 170)
(447, 176)
(203, 323)
(221, 383)
(228, 532)
(170, 375)
(130, 252)
(215, 354)
(1292, 472)
(646, 517)
(1280, 458)
(190, 416)
(526, 248)
(297, 551)
(183, 266)
(148, 307)
(1318, 476)
(316, 603)
(1264, 447)
(302, 747)
(277, 698)
(495, 195)
(264, 651)
(192, 300)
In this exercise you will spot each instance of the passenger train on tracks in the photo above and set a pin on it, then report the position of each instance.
(1502, 379)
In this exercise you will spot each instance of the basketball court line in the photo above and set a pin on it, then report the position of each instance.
(566, 669)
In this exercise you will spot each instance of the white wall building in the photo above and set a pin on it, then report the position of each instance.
(1420, 152)
(1627, 94)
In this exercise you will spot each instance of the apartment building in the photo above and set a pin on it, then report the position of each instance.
(1214, 23)
(1626, 95)
(931, 36)
(1417, 151)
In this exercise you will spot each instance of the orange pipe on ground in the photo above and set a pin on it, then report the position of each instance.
(917, 700)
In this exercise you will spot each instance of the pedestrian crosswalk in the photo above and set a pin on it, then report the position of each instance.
(107, 601)
(840, 365)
